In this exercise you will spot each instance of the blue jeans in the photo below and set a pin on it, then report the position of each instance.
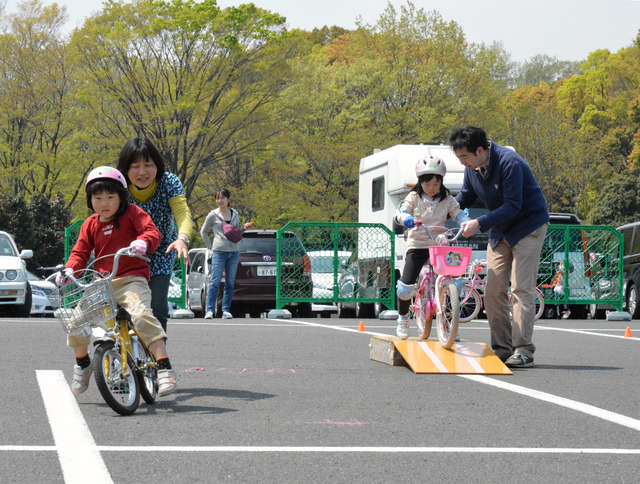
(227, 262)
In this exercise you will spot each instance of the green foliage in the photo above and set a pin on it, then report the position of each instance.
(37, 224)
(618, 200)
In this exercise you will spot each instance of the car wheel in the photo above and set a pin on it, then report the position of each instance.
(597, 313)
(549, 312)
(304, 310)
(632, 302)
(24, 310)
(364, 310)
(345, 312)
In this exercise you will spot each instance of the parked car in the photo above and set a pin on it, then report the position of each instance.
(198, 281)
(369, 277)
(631, 267)
(15, 290)
(579, 284)
(322, 274)
(44, 299)
(255, 284)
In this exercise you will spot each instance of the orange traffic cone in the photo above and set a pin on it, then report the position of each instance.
(361, 326)
(627, 333)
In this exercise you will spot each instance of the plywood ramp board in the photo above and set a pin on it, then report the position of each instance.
(465, 357)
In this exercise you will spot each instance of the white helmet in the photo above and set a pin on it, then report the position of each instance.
(431, 164)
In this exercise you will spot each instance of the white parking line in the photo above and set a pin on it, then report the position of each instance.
(77, 451)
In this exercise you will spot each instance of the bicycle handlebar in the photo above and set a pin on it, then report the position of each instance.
(116, 259)
(450, 231)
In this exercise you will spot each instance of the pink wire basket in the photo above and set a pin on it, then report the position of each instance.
(449, 260)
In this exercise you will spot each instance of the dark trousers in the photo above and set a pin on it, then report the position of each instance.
(159, 285)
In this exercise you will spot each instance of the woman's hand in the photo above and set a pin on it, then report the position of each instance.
(247, 225)
(181, 248)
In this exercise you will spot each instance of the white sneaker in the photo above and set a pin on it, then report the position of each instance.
(227, 315)
(80, 381)
(166, 382)
(566, 314)
(402, 330)
(209, 315)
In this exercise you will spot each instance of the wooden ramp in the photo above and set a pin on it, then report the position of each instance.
(427, 356)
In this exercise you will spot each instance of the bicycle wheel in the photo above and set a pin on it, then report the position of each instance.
(118, 390)
(147, 373)
(448, 314)
(539, 303)
(470, 308)
(422, 309)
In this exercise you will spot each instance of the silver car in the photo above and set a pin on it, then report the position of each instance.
(15, 291)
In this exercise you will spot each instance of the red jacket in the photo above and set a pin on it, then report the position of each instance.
(104, 239)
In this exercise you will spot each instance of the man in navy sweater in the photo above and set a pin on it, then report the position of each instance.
(517, 221)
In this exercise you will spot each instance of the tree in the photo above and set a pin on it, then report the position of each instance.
(544, 68)
(195, 79)
(36, 116)
(618, 200)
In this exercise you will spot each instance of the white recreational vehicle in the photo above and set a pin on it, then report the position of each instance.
(388, 175)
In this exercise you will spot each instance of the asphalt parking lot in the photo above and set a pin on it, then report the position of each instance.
(264, 400)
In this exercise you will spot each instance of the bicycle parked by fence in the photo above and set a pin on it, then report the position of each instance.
(124, 369)
(437, 293)
(472, 291)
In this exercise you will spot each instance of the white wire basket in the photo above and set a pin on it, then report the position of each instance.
(87, 307)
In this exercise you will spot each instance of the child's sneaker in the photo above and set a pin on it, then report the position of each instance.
(402, 330)
(566, 314)
(80, 380)
(166, 382)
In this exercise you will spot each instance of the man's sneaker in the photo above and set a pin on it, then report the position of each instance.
(209, 315)
(166, 382)
(566, 314)
(80, 381)
(518, 360)
(227, 315)
(402, 330)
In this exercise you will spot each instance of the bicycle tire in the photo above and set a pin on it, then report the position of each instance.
(147, 373)
(423, 316)
(470, 308)
(448, 314)
(121, 394)
(539, 302)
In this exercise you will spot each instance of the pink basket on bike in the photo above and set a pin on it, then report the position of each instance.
(449, 260)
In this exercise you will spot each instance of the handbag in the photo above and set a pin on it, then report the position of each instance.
(233, 234)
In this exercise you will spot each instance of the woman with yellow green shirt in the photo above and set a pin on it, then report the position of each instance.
(161, 195)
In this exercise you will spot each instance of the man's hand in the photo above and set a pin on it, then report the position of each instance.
(469, 228)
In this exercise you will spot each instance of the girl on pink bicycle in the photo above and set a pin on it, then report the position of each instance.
(428, 203)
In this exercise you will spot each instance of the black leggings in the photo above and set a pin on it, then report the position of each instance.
(414, 260)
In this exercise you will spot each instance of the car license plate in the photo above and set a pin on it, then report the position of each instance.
(266, 271)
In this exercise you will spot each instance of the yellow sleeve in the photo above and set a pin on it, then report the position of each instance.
(182, 214)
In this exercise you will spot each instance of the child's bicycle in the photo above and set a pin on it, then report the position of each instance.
(437, 293)
(123, 367)
(472, 294)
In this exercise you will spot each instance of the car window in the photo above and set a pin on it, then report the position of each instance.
(627, 234)
(6, 247)
(265, 245)
(198, 263)
(636, 241)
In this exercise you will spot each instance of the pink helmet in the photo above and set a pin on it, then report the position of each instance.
(105, 172)
(431, 164)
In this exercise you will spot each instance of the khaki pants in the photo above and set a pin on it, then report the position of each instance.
(134, 295)
(518, 265)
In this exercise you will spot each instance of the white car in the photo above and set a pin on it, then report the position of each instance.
(322, 275)
(15, 291)
(44, 295)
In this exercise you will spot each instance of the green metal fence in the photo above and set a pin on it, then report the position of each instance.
(589, 258)
(177, 287)
(344, 263)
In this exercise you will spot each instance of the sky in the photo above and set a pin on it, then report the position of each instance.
(565, 29)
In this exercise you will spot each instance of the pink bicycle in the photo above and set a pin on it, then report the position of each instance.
(437, 293)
